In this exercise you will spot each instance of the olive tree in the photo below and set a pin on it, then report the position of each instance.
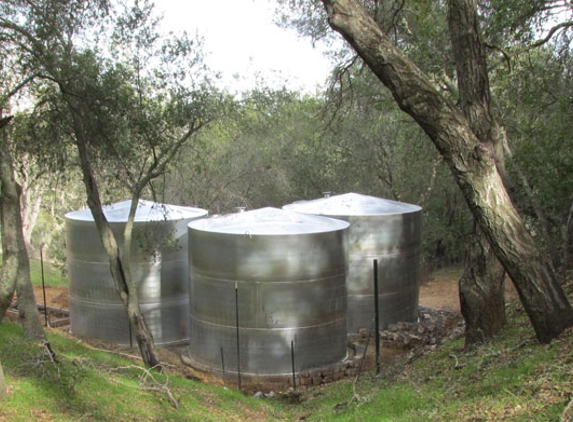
(471, 162)
(128, 101)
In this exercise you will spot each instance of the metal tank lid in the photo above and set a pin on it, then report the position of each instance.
(146, 211)
(352, 204)
(268, 221)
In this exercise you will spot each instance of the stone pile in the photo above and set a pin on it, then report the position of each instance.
(432, 328)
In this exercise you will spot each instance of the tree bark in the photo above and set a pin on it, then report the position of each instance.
(481, 290)
(6, 290)
(567, 240)
(30, 202)
(9, 264)
(124, 284)
(482, 285)
(470, 161)
(15, 272)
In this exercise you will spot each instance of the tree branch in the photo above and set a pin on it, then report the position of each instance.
(552, 31)
(5, 120)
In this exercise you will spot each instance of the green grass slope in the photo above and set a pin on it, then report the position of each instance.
(512, 378)
(92, 385)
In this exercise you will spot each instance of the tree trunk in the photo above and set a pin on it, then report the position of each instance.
(471, 163)
(8, 193)
(482, 297)
(15, 271)
(7, 284)
(124, 284)
(567, 241)
(28, 314)
(31, 202)
(481, 287)
(3, 386)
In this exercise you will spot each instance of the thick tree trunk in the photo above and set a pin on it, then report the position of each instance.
(471, 163)
(481, 288)
(124, 284)
(482, 297)
(15, 272)
(28, 314)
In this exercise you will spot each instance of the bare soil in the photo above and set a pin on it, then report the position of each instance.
(438, 291)
(56, 297)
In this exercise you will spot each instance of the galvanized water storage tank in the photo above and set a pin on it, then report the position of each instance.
(158, 262)
(381, 229)
(264, 281)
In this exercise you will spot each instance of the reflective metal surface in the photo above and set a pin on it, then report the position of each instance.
(285, 275)
(159, 265)
(381, 229)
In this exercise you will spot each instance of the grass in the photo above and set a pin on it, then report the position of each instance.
(52, 275)
(512, 378)
(91, 385)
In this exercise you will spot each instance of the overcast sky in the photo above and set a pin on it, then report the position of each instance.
(241, 41)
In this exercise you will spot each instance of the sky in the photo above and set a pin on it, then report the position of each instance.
(241, 41)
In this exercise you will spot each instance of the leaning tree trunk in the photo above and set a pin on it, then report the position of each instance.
(15, 273)
(471, 163)
(482, 285)
(124, 285)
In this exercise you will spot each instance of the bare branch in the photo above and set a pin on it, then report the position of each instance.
(17, 88)
(552, 31)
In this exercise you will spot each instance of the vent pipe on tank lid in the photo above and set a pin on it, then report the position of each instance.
(381, 229)
(289, 270)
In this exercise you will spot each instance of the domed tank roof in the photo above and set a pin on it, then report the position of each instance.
(350, 204)
(146, 211)
(268, 221)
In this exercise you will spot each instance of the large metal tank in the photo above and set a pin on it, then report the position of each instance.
(380, 229)
(159, 264)
(267, 288)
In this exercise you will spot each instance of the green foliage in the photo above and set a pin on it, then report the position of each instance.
(535, 102)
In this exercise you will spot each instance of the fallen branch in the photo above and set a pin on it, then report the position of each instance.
(126, 355)
(166, 391)
(157, 387)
